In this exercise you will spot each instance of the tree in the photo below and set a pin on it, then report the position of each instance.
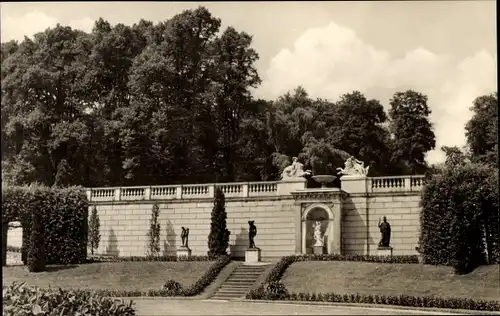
(218, 238)
(154, 233)
(36, 252)
(412, 131)
(41, 101)
(454, 156)
(94, 230)
(234, 73)
(357, 127)
(482, 129)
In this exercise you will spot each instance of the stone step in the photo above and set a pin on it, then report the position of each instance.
(252, 273)
(235, 286)
(226, 296)
(231, 291)
(239, 281)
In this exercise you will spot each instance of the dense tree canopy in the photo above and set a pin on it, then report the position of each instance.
(171, 103)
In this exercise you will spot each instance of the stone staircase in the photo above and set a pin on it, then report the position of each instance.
(239, 282)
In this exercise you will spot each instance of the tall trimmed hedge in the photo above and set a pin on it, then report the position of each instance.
(36, 251)
(459, 219)
(64, 216)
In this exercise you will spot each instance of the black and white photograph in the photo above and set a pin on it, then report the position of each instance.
(249, 158)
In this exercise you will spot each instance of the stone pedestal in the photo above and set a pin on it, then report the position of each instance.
(384, 251)
(183, 252)
(354, 184)
(252, 255)
(318, 250)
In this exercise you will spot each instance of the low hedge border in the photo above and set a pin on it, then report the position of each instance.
(279, 269)
(100, 259)
(399, 300)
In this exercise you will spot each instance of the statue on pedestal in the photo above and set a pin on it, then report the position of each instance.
(185, 236)
(317, 234)
(385, 230)
(353, 167)
(294, 171)
(252, 232)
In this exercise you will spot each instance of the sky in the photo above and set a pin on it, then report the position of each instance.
(444, 49)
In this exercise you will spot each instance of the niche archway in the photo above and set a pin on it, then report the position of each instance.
(313, 213)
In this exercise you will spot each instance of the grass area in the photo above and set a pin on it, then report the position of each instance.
(110, 276)
(391, 279)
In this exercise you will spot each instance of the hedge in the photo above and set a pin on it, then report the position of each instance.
(64, 213)
(273, 289)
(172, 258)
(19, 299)
(36, 251)
(459, 216)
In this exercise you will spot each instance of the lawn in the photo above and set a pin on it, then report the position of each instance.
(391, 279)
(113, 276)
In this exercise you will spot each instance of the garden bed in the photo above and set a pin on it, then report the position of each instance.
(391, 279)
(115, 276)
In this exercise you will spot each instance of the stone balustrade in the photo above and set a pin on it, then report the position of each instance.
(238, 189)
(396, 184)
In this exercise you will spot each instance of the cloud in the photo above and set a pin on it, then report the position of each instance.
(333, 60)
(15, 28)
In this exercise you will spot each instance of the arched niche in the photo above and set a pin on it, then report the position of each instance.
(324, 214)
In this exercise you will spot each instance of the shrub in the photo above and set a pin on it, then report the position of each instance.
(36, 254)
(172, 288)
(94, 232)
(275, 290)
(154, 233)
(218, 239)
(459, 218)
(19, 299)
(64, 213)
(148, 259)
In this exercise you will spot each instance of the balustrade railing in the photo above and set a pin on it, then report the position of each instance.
(397, 184)
(241, 189)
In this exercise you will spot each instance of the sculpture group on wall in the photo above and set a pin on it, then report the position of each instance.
(385, 231)
(294, 171)
(353, 167)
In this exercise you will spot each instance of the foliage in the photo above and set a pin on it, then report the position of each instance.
(19, 299)
(218, 238)
(459, 219)
(148, 259)
(275, 290)
(172, 288)
(154, 232)
(412, 131)
(36, 252)
(482, 129)
(63, 212)
(170, 102)
(94, 230)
